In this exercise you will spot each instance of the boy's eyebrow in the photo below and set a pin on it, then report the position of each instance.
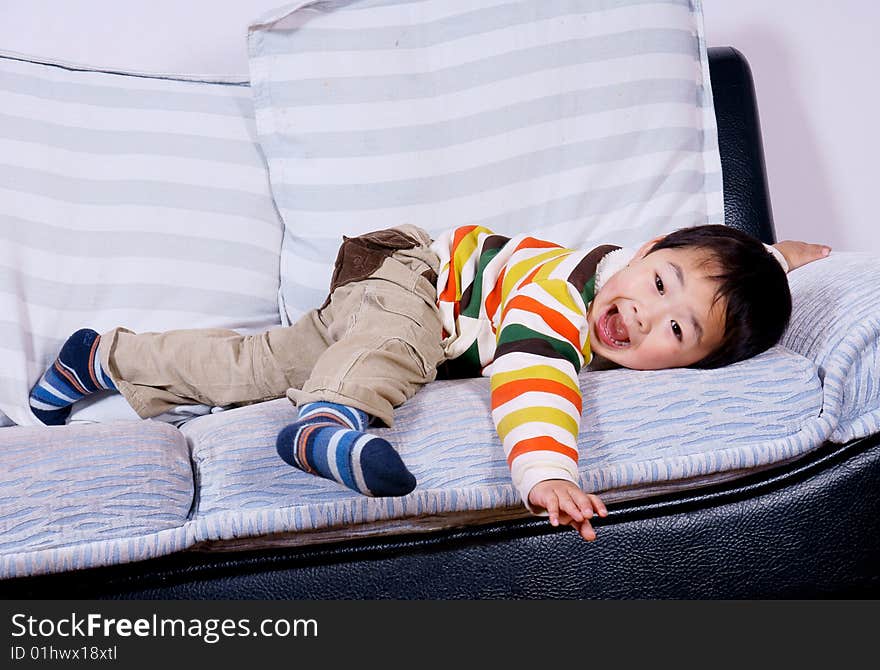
(679, 274)
(697, 328)
(676, 268)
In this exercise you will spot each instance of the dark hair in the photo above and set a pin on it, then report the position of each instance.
(752, 284)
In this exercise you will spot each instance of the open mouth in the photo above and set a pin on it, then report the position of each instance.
(612, 330)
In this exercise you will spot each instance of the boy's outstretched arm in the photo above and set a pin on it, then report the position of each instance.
(567, 504)
(536, 400)
(798, 253)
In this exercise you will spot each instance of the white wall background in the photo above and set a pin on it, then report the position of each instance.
(814, 64)
(815, 68)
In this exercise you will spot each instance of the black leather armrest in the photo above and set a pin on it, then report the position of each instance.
(746, 196)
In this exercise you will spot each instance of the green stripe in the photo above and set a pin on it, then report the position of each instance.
(516, 332)
(589, 291)
(476, 298)
(466, 365)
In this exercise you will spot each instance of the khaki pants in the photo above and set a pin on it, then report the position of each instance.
(372, 345)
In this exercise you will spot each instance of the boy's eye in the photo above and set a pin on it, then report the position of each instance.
(676, 330)
(659, 284)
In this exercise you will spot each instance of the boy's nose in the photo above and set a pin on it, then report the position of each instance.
(642, 323)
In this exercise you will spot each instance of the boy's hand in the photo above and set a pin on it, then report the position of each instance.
(800, 253)
(567, 504)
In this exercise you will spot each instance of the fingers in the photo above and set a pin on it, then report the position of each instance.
(562, 508)
(576, 509)
(816, 251)
(598, 505)
(799, 253)
(566, 504)
(804, 252)
(572, 504)
(590, 504)
(552, 507)
(587, 504)
(584, 529)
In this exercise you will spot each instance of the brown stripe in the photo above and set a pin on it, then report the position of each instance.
(494, 242)
(586, 269)
(465, 301)
(532, 345)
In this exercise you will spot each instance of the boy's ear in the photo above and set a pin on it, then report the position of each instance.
(643, 250)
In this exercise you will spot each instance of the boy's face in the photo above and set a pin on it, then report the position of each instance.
(658, 311)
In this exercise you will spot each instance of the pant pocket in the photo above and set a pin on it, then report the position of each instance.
(401, 302)
(406, 317)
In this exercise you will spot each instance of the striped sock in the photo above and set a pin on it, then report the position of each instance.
(329, 441)
(75, 374)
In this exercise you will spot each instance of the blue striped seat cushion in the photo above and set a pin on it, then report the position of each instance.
(93, 491)
(126, 200)
(583, 121)
(642, 433)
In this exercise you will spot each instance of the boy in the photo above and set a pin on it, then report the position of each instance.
(526, 312)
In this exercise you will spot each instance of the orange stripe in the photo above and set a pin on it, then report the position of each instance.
(303, 440)
(331, 418)
(552, 318)
(535, 243)
(494, 298)
(92, 363)
(64, 373)
(449, 292)
(460, 233)
(542, 443)
(512, 389)
(531, 276)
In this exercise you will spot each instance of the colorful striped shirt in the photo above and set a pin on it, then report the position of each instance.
(515, 309)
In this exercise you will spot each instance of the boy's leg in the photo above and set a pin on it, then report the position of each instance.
(387, 345)
(386, 336)
(329, 440)
(157, 371)
(75, 374)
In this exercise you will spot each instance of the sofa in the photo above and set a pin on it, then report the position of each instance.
(169, 509)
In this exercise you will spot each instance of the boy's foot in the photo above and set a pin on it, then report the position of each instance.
(328, 441)
(75, 374)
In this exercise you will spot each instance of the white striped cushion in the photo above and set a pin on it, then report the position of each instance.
(126, 200)
(584, 121)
